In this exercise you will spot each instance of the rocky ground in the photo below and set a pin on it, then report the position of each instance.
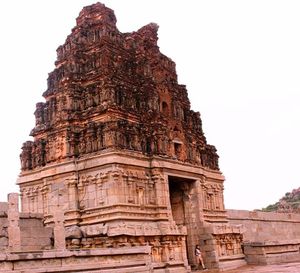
(289, 203)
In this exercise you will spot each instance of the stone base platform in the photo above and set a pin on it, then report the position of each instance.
(129, 260)
(272, 252)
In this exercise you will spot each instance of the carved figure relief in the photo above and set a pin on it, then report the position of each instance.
(229, 244)
(212, 196)
(132, 81)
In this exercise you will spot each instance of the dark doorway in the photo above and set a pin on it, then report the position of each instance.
(181, 197)
(176, 200)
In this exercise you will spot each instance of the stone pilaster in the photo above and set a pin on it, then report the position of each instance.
(59, 229)
(14, 234)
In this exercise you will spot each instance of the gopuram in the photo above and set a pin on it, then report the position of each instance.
(119, 176)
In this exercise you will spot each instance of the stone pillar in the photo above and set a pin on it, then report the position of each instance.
(208, 245)
(160, 188)
(190, 212)
(183, 252)
(14, 234)
(45, 195)
(59, 229)
(167, 200)
(72, 193)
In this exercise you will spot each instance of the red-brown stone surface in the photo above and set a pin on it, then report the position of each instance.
(113, 90)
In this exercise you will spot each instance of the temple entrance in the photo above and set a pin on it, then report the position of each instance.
(177, 201)
(184, 212)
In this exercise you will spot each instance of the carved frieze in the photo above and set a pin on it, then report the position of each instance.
(229, 244)
(113, 90)
(212, 196)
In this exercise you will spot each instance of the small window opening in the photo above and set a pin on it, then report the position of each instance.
(165, 109)
(177, 149)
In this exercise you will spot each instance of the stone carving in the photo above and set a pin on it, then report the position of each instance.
(132, 82)
(164, 248)
(213, 196)
(118, 158)
(229, 244)
(73, 232)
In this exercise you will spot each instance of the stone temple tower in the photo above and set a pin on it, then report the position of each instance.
(117, 148)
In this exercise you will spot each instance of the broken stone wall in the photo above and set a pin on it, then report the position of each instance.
(22, 231)
(3, 226)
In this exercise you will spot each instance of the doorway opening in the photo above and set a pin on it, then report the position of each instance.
(181, 198)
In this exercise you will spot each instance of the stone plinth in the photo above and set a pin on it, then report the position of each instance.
(133, 259)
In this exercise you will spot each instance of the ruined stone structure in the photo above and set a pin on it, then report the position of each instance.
(269, 237)
(119, 158)
(119, 169)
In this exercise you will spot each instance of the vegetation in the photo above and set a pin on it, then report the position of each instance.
(290, 202)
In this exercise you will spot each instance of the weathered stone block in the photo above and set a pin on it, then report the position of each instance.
(3, 242)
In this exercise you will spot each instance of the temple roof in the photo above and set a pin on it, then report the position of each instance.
(113, 90)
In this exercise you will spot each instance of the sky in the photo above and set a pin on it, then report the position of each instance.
(240, 61)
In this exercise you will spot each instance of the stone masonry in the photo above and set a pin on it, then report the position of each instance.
(269, 237)
(119, 176)
(118, 158)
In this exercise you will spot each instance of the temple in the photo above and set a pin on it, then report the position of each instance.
(119, 175)
(118, 149)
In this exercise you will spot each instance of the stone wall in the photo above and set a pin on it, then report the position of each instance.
(30, 246)
(266, 226)
(268, 237)
(3, 206)
(22, 231)
(34, 235)
(3, 226)
(221, 245)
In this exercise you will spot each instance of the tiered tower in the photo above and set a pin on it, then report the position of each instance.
(118, 149)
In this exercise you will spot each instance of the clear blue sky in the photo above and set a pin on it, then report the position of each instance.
(240, 61)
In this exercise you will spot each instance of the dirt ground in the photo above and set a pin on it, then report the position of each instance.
(276, 268)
